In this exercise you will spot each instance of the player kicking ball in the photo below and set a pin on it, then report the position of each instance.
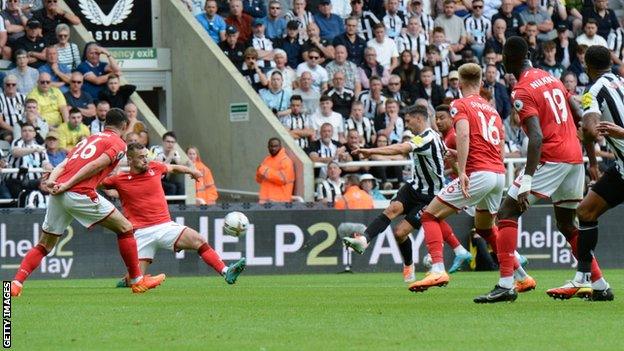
(603, 109)
(554, 167)
(428, 150)
(480, 181)
(143, 201)
(72, 186)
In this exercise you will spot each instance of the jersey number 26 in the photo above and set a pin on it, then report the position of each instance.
(85, 150)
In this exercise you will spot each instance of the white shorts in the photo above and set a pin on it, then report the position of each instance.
(65, 207)
(486, 192)
(160, 236)
(561, 182)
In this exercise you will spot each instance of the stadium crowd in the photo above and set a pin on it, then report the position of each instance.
(337, 73)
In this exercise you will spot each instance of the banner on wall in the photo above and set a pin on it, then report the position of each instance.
(116, 23)
(279, 242)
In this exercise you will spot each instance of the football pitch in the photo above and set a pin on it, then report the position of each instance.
(311, 312)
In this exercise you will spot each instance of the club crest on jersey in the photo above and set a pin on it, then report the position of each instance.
(417, 140)
(120, 155)
(453, 111)
(150, 172)
(518, 105)
(586, 100)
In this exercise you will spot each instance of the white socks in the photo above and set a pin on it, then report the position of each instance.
(224, 270)
(460, 250)
(600, 284)
(136, 280)
(520, 274)
(437, 268)
(506, 282)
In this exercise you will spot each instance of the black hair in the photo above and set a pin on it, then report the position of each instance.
(170, 134)
(296, 97)
(116, 117)
(416, 110)
(516, 48)
(598, 57)
(74, 110)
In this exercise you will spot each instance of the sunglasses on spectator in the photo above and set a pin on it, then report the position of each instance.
(477, 7)
(10, 84)
(77, 81)
(393, 83)
(314, 57)
(275, 8)
(51, 1)
(63, 35)
(44, 82)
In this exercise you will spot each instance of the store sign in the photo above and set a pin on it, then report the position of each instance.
(116, 23)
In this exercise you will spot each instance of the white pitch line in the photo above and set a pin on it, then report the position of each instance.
(9, 266)
(538, 256)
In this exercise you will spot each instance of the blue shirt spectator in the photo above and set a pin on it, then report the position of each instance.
(330, 25)
(274, 23)
(87, 68)
(212, 23)
(276, 97)
(254, 8)
(94, 70)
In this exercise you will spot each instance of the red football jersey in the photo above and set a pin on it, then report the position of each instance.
(486, 133)
(537, 93)
(142, 196)
(88, 150)
(449, 141)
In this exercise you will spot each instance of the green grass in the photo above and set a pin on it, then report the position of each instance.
(311, 312)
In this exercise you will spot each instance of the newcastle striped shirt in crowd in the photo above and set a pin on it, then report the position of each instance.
(330, 190)
(478, 28)
(428, 154)
(31, 160)
(413, 43)
(12, 108)
(365, 128)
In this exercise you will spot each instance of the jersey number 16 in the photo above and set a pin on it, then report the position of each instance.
(489, 131)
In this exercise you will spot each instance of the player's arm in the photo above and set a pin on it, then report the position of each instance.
(390, 150)
(49, 182)
(462, 140)
(90, 169)
(178, 169)
(577, 111)
(590, 133)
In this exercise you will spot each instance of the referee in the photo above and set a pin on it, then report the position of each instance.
(603, 114)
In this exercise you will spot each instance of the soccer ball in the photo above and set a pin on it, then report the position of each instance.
(235, 224)
(427, 261)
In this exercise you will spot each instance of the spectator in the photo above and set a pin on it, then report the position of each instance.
(329, 25)
(297, 124)
(453, 26)
(50, 16)
(341, 97)
(373, 98)
(534, 13)
(59, 73)
(453, 89)
(407, 70)
(443, 46)
(351, 41)
(288, 74)
(549, 62)
(56, 155)
(589, 36)
(571, 83)
(31, 116)
(390, 123)
(413, 40)
(478, 28)
(395, 20)
(351, 145)
(364, 126)
(513, 21)
(368, 183)
(311, 97)
(68, 53)
(515, 139)
(5, 51)
(439, 65)
(101, 109)
(251, 72)
(578, 66)
(115, 94)
(490, 59)
(395, 91)
(276, 174)
(26, 76)
(301, 16)
(4, 191)
(387, 54)
(79, 99)
(315, 41)
(167, 154)
(274, 22)
(94, 70)
(25, 154)
(605, 17)
(134, 125)
(386, 173)
(241, 21)
(497, 41)
(341, 8)
(263, 46)
(325, 149)
(354, 197)
(327, 115)
(366, 20)
(52, 104)
(331, 189)
(530, 35)
(317, 72)
(12, 103)
(212, 22)
(254, 8)
(291, 44)
(615, 43)
(427, 89)
(347, 68)
(205, 188)
(276, 97)
(426, 21)
(32, 43)
(371, 68)
(232, 48)
(14, 21)
(498, 91)
(565, 47)
(73, 131)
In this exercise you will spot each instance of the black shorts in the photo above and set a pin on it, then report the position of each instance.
(610, 187)
(413, 202)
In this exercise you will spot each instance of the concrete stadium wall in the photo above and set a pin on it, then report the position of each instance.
(205, 83)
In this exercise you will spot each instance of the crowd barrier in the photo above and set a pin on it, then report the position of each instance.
(281, 240)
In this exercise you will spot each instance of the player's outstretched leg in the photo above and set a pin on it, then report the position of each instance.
(401, 235)
(191, 240)
(359, 241)
(462, 256)
(32, 260)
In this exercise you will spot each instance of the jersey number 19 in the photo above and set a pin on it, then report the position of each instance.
(556, 100)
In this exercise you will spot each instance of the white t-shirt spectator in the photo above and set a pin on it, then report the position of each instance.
(335, 119)
(596, 40)
(319, 74)
(385, 51)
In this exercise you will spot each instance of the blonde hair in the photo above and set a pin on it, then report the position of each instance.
(470, 74)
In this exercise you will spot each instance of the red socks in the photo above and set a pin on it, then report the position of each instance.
(433, 236)
(448, 235)
(30, 262)
(596, 273)
(490, 236)
(506, 245)
(211, 257)
(129, 253)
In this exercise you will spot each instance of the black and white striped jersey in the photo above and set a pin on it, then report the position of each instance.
(33, 160)
(365, 128)
(606, 98)
(615, 42)
(414, 44)
(330, 190)
(297, 122)
(478, 28)
(428, 154)
(394, 24)
(426, 23)
(370, 105)
(12, 108)
(365, 25)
